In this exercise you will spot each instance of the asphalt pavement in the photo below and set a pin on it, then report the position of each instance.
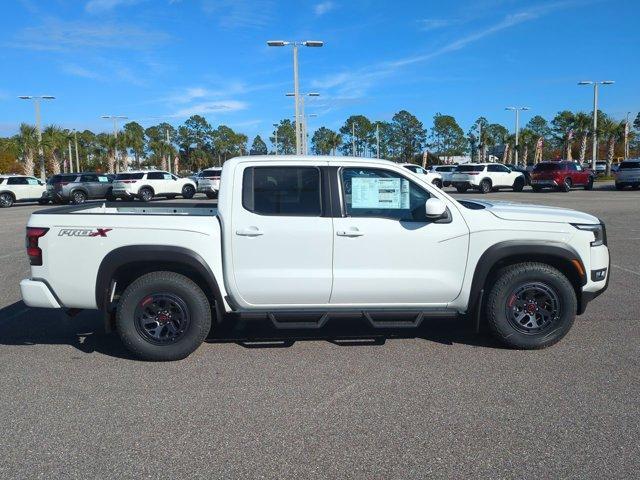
(343, 402)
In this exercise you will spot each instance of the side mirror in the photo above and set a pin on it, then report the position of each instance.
(435, 208)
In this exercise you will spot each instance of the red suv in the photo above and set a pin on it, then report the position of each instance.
(561, 176)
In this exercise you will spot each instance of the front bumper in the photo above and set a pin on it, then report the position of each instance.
(600, 260)
(36, 293)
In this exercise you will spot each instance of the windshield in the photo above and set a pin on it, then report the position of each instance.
(470, 168)
(129, 176)
(625, 165)
(546, 167)
(210, 173)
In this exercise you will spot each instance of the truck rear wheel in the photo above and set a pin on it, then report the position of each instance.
(163, 316)
(530, 306)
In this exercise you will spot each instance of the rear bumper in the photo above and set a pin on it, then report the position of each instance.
(543, 183)
(36, 293)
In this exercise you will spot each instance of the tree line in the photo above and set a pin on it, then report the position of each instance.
(197, 144)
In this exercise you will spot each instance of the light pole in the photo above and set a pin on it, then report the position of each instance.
(377, 140)
(296, 88)
(36, 100)
(517, 110)
(595, 84)
(75, 135)
(626, 137)
(115, 119)
(302, 118)
(353, 139)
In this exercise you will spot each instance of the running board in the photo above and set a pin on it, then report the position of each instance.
(415, 322)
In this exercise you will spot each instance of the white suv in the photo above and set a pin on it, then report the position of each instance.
(20, 188)
(446, 171)
(628, 174)
(208, 181)
(153, 183)
(432, 177)
(485, 177)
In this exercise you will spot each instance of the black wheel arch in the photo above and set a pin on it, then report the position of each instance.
(559, 255)
(147, 186)
(9, 192)
(79, 189)
(123, 265)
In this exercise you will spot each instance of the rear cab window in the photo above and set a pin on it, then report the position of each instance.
(293, 191)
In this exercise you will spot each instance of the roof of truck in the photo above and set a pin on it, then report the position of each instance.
(308, 158)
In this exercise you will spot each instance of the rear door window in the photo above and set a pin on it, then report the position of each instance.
(291, 191)
(129, 176)
(89, 178)
(17, 181)
(155, 176)
(469, 168)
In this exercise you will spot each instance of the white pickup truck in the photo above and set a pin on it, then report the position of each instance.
(298, 239)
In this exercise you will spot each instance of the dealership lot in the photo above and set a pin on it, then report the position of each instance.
(341, 402)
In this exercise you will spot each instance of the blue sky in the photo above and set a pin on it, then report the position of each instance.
(163, 60)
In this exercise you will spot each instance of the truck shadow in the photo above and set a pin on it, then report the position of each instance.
(24, 326)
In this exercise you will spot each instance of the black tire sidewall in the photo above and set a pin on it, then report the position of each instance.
(507, 281)
(82, 195)
(482, 186)
(197, 305)
(141, 194)
(518, 185)
(188, 191)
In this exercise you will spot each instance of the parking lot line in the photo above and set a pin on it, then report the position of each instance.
(627, 269)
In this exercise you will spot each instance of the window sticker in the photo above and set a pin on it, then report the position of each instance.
(379, 193)
(167, 176)
(32, 181)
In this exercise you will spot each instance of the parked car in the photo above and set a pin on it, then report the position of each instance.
(312, 237)
(147, 184)
(78, 187)
(486, 177)
(432, 177)
(628, 174)
(523, 170)
(562, 175)
(446, 171)
(601, 167)
(208, 181)
(20, 188)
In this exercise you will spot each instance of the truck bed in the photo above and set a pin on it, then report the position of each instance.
(133, 208)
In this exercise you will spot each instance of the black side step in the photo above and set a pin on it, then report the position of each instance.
(415, 323)
(315, 324)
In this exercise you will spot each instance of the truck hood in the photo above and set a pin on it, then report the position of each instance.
(535, 213)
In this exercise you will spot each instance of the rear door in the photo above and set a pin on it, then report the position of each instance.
(35, 188)
(282, 236)
(89, 181)
(156, 181)
(500, 175)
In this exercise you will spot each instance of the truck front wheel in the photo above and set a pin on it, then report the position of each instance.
(163, 316)
(531, 305)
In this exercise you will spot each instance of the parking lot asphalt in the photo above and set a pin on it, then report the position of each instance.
(343, 402)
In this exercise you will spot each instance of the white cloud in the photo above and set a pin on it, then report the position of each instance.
(57, 35)
(79, 71)
(323, 7)
(96, 6)
(210, 107)
(428, 24)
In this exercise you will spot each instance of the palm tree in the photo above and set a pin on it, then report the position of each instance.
(27, 140)
(582, 126)
(334, 140)
(526, 137)
(54, 142)
(105, 144)
(612, 132)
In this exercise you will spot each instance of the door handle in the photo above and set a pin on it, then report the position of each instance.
(350, 233)
(249, 232)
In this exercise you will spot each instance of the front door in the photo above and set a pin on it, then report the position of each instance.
(386, 251)
(282, 244)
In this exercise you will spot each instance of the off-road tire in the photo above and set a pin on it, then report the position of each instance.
(197, 304)
(506, 281)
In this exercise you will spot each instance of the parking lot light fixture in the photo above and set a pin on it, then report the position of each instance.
(296, 88)
(595, 83)
(36, 101)
(517, 110)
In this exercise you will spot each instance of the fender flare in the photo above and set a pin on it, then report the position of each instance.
(512, 248)
(146, 186)
(10, 193)
(123, 256)
(81, 189)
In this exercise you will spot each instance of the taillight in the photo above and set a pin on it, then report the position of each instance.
(33, 250)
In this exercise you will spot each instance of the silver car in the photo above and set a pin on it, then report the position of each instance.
(78, 187)
(208, 181)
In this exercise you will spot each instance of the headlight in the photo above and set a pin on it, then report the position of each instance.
(598, 233)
